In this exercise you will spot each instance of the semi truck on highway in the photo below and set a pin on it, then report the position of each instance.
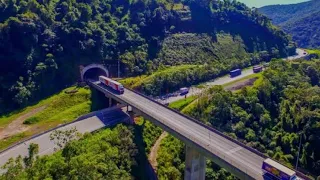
(235, 73)
(278, 171)
(118, 87)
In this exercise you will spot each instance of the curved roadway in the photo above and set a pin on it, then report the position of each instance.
(88, 123)
(237, 155)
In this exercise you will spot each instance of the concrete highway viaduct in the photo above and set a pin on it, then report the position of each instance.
(201, 141)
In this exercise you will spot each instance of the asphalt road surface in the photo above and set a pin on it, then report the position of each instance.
(300, 53)
(237, 154)
(100, 119)
(239, 157)
(231, 152)
(219, 81)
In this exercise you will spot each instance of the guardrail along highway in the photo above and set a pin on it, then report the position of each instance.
(88, 123)
(242, 161)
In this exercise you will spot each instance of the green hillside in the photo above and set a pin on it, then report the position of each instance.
(301, 20)
(272, 115)
(107, 154)
(42, 43)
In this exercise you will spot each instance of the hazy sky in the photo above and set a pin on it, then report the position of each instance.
(260, 3)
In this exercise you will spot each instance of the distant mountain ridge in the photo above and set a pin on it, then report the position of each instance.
(301, 20)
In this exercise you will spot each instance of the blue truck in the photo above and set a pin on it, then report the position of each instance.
(235, 73)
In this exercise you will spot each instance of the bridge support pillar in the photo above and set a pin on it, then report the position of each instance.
(110, 102)
(131, 114)
(195, 165)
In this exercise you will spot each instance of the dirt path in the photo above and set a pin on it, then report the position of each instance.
(155, 148)
(241, 84)
(154, 151)
(17, 126)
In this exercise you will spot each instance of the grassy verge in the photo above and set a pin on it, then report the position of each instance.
(180, 104)
(59, 109)
(258, 75)
(314, 52)
(140, 81)
(13, 139)
(63, 107)
(56, 105)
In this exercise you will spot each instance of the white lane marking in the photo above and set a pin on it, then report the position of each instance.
(44, 151)
(234, 150)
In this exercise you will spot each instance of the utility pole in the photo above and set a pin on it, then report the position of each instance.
(298, 152)
(118, 68)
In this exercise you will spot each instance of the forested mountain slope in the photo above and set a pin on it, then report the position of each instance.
(301, 20)
(42, 43)
(273, 115)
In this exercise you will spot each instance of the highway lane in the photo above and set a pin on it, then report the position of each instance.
(300, 53)
(94, 123)
(218, 81)
(231, 152)
(99, 120)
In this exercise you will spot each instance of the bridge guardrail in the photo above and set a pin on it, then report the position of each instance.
(207, 127)
(204, 125)
(198, 143)
(300, 174)
(52, 129)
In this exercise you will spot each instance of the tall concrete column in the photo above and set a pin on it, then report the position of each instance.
(195, 165)
(110, 102)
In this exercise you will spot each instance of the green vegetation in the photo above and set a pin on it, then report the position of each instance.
(300, 20)
(272, 115)
(171, 159)
(108, 154)
(42, 43)
(171, 153)
(269, 116)
(182, 103)
(13, 139)
(194, 48)
(57, 109)
(171, 156)
(175, 77)
(64, 108)
(150, 133)
(252, 76)
(314, 53)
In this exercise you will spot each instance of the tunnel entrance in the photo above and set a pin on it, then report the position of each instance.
(93, 71)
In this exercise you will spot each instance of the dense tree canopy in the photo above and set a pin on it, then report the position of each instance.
(109, 154)
(272, 115)
(42, 43)
(301, 20)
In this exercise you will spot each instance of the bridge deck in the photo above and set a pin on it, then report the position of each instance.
(236, 156)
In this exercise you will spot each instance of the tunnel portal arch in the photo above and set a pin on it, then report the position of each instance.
(93, 71)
